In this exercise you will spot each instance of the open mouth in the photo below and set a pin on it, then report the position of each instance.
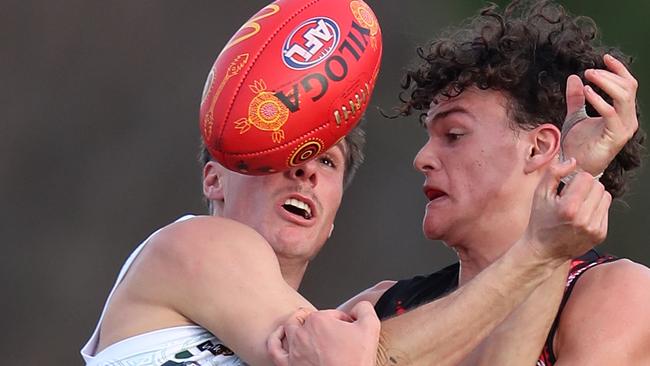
(433, 194)
(298, 208)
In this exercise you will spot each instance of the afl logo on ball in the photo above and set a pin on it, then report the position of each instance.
(311, 43)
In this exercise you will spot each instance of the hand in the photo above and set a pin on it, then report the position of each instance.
(327, 338)
(566, 225)
(594, 142)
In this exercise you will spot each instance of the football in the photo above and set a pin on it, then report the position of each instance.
(290, 83)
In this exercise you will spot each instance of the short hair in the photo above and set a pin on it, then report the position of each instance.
(355, 141)
(527, 52)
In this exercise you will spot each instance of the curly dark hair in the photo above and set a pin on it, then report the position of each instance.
(528, 51)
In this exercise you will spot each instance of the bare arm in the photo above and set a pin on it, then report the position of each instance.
(443, 332)
(221, 275)
(221, 290)
(606, 320)
(593, 142)
(520, 338)
(370, 295)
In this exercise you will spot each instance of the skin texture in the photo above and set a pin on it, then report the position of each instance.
(235, 259)
(482, 174)
(416, 337)
(597, 138)
(616, 295)
(257, 201)
(474, 256)
(526, 329)
(253, 241)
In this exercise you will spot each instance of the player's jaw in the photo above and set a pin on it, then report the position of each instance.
(301, 220)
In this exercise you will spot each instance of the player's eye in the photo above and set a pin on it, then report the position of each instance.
(452, 137)
(327, 161)
(454, 134)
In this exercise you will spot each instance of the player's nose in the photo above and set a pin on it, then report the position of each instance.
(306, 172)
(426, 159)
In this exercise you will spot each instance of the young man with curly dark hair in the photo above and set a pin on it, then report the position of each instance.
(496, 92)
(503, 97)
(209, 290)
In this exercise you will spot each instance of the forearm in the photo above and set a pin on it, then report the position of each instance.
(445, 331)
(520, 338)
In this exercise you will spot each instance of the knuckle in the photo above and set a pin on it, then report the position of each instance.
(581, 223)
(598, 187)
(583, 177)
(609, 111)
(592, 228)
(597, 234)
(607, 197)
(629, 134)
(629, 97)
(568, 211)
(317, 319)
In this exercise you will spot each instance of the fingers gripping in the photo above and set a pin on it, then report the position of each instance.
(584, 204)
(279, 355)
(567, 224)
(364, 314)
(311, 337)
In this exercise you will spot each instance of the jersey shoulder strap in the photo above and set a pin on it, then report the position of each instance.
(410, 293)
(578, 267)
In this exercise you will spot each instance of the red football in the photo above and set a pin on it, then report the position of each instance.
(290, 84)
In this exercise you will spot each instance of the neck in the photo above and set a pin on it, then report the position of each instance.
(472, 262)
(293, 270)
(477, 254)
(490, 237)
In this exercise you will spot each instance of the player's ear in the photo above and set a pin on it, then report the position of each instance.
(213, 181)
(544, 146)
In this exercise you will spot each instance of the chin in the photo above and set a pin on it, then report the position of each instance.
(433, 229)
(297, 251)
(432, 235)
(290, 244)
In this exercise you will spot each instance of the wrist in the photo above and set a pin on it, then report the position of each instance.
(530, 252)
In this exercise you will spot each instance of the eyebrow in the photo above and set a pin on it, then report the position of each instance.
(342, 146)
(440, 115)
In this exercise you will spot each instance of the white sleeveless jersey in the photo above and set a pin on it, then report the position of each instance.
(184, 345)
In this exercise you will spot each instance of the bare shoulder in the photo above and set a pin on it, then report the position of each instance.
(201, 242)
(201, 252)
(608, 311)
(622, 278)
(371, 295)
(207, 232)
(219, 274)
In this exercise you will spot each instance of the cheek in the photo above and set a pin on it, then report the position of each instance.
(334, 203)
(475, 180)
(331, 201)
(253, 197)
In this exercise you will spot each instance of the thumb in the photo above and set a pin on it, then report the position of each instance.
(279, 355)
(575, 94)
(298, 317)
(364, 314)
(558, 169)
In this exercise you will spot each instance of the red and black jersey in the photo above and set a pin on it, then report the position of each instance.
(407, 294)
